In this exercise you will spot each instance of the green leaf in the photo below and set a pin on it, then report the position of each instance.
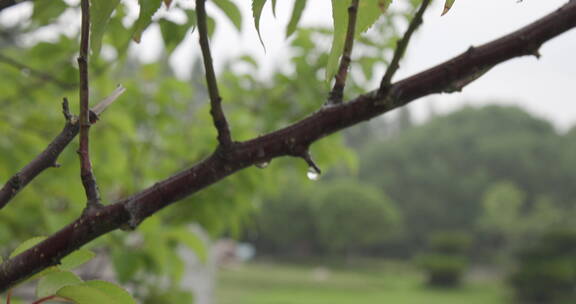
(257, 6)
(53, 281)
(27, 245)
(447, 5)
(232, 12)
(45, 12)
(192, 241)
(127, 263)
(299, 6)
(100, 12)
(76, 259)
(339, 35)
(368, 13)
(172, 33)
(147, 9)
(96, 292)
(119, 294)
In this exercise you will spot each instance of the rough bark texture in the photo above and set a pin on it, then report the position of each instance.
(290, 141)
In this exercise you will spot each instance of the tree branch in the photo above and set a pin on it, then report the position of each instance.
(285, 142)
(337, 92)
(86, 174)
(9, 3)
(401, 47)
(47, 158)
(224, 137)
(38, 74)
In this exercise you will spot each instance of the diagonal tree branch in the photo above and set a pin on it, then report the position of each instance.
(401, 47)
(86, 174)
(47, 158)
(224, 137)
(337, 92)
(285, 142)
(9, 3)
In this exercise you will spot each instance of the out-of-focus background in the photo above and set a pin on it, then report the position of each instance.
(461, 198)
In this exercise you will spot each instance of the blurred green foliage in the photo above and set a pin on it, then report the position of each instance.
(546, 270)
(476, 169)
(334, 217)
(351, 216)
(446, 261)
(160, 125)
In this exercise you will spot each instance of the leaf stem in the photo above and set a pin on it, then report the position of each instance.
(44, 299)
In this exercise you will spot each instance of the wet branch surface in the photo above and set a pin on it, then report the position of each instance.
(129, 212)
(86, 173)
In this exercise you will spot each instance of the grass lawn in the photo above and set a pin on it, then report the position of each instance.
(368, 283)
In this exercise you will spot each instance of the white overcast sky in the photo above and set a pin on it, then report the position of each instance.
(546, 87)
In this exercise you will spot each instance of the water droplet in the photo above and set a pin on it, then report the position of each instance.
(263, 164)
(313, 174)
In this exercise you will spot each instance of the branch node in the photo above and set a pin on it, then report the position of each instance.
(15, 183)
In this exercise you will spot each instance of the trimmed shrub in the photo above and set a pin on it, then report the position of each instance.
(446, 262)
(546, 271)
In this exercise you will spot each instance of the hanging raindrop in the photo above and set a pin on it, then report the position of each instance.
(262, 165)
(313, 173)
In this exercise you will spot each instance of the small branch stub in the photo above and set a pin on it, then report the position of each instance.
(314, 171)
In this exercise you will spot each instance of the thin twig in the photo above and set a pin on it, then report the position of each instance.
(401, 48)
(44, 299)
(47, 158)
(36, 73)
(337, 92)
(224, 137)
(86, 174)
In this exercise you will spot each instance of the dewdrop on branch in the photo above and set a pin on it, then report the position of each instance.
(313, 173)
(262, 165)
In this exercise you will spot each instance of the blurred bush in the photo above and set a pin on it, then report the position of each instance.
(546, 270)
(446, 262)
(352, 216)
(335, 217)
